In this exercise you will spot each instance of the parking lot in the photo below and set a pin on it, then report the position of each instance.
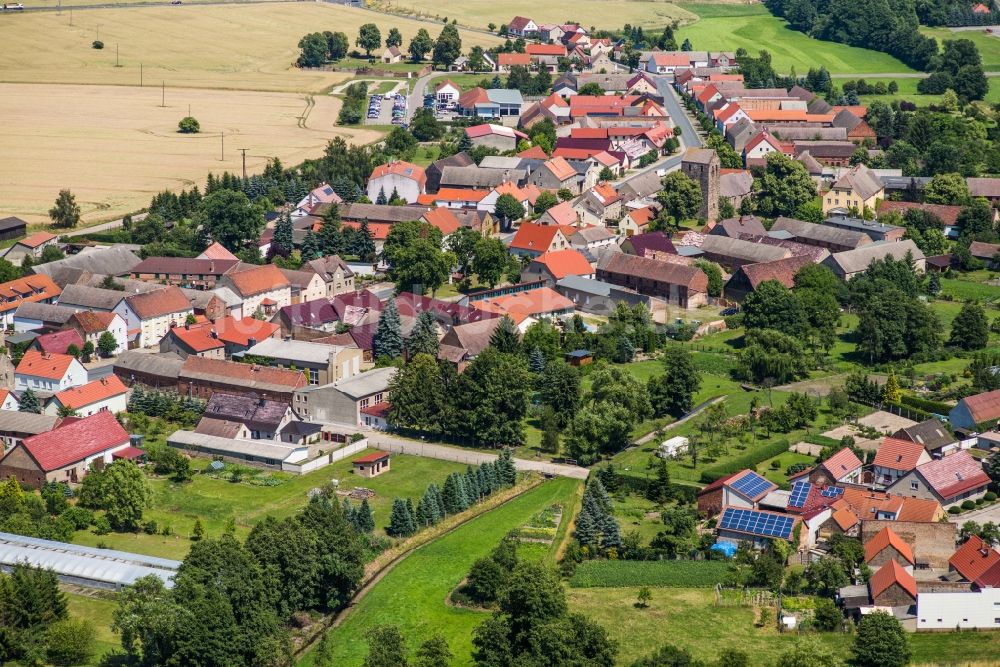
(386, 109)
(441, 111)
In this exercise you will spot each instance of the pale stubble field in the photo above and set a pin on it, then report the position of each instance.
(71, 119)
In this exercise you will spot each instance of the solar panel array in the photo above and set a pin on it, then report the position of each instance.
(752, 485)
(763, 524)
(832, 492)
(800, 491)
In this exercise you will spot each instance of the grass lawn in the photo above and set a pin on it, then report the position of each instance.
(412, 595)
(96, 607)
(731, 26)
(214, 501)
(963, 289)
(989, 47)
(425, 155)
(634, 512)
(784, 460)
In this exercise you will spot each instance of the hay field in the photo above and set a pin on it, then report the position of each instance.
(114, 146)
(245, 47)
(608, 14)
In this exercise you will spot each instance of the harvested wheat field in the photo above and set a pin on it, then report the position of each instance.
(115, 146)
(246, 47)
(608, 14)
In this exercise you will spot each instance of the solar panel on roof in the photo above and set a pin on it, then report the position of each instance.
(832, 492)
(800, 491)
(757, 523)
(751, 485)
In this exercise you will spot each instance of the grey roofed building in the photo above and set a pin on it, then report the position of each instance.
(609, 82)
(828, 149)
(984, 187)
(365, 384)
(905, 182)
(825, 236)
(736, 184)
(805, 132)
(818, 105)
(811, 164)
(228, 296)
(861, 180)
(643, 185)
(500, 162)
(699, 155)
(734, 228)
(28, 423)
(472, 338)
(381, 212)
(262, 453)
(878, 231)
(801, 93)
(815, 254)
(852, 262)
(47, 313)
(479, 178)
(258, 414)
(741, 132)
(846, 120)
(84, 297)
(165, 365)
(300, 350)
(433, 172)
(220, 428)
(734, 252)
(930, 433)
(113, 261)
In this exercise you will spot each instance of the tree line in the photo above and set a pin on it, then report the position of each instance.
(319, 48)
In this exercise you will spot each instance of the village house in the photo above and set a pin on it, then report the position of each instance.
(116, 260)
(895, 459)
(985, 253)
(108, 393)
(58, 342)
(321, 364)
(341, 402)
(844, 467)
(371, 465)
(858, 189)
(48, 373)
(532, 240)
(200, 378)
(507, 60)
(949, 480)
(731, 253)
(500, 137)
(304, 285)
(149, 316)
(556, 265)
(321, 194)
(407, 180)
(464, 342)
(845, 265)
(219, 339)
(334, 272)
(599, 205)
(528, 306)
(676, 284)
(264, 288)
(233, 416)
(41, 317)
(30, 246)
(832, 238)
(972, 413)
(29, 289)
(555, 174)
(492, 103)
(9, 400)
(12, 227)
(153, 370)
(391, 56)
(520, 26)
(447, 92)
(65, 453)
(15, 426)
(877, 230)
(885, 546)
(183, 271)
(90, 325)
(635, 221)
(892, 586)
(749, 277)
(931, 434)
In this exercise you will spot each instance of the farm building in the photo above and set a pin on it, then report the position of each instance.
(371, 465)
(257, 453)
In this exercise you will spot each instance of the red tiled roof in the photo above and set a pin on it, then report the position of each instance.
(974, 558)
(511, 59)
(535, 153)
(983, 407)
(866, 504)
(258, 279)
(246, 375)
(452, 194)
(92, 392)
(400, 168)
(49, 366)
(898, 454)
(36, 239)
(94, 322)
(158, 303)
(545, 50)
(59, 341)
(948, 214)
(130, 453)
(562, 263)
(842, 463)
(29, 288)
(954, 474)
(217, 251)
(531, 236)
(75, 440)
(717, 484)
(889, 574)
(782, 270)
(380, 410)
(371, 458)
(560, 168)
(197, 338)
(443, 219)
(554, 100)
(887, 538)
(562, 214)
(540, 301)
(845, 518)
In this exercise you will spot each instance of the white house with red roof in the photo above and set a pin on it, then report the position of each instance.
(521, 26)
(556, 265)
(45, 372)
(32, 245)
(9, 400)
(895, 459)
(758, 148)
(321, 194)
(65, 453)
(447, 92)
(408, 180)
(843, 467)
(106, 394)
(533, 239)
(950, 480)
(500, 137)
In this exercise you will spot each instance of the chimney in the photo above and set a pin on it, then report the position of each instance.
(251, 341)
(213, 333)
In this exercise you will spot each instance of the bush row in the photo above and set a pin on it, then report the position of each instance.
(749, 459)
(926, 405)
(672, 573)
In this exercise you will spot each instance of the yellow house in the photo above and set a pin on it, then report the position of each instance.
(858, 188)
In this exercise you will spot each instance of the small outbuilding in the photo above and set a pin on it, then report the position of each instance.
(371, 465)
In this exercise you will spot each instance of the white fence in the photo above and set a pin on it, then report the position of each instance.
(323, 461)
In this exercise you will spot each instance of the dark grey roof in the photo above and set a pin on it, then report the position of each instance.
(296, 427)
(382, 213)
(44, 312)
(855, 261)
(163, 364)
(11, 223)
(90, 298)
(115, 261)
(258, 414)
(931, 433)
(478, 177)
(12, 421)
(821, 233)
(808, 132)
(742, 250)
(735, 227)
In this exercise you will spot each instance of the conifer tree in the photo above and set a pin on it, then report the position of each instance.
(891, 393)
(365, 517)
(282, 243)
(438, 501)
(137, 401)
(452, 495)
(310, 247)
(381, 200)
(388, 340)
(412, 513)
(423, 339)
(364, 242)
(505, 337)
(471, 486)
(536, 361)
(400, 520)
(505, 467)
(29, 402)
(349, 514)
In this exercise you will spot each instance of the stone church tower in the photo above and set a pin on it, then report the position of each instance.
(702, 165)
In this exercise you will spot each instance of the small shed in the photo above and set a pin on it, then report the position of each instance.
(580, 357)
(130, 453)
(673, 447)
(371, 465)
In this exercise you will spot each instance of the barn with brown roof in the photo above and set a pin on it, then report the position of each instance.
(975, 411)
(200, 377)
(749, 276)
(677, 284)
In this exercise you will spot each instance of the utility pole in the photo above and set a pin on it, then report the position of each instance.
(244, 151)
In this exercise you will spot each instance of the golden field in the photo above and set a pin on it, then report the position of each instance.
(243, 47)
(601, 13)
(115, 146)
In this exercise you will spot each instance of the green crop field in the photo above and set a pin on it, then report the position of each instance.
(669, 573)
(412, 595)
(730, 27)
(214, 501)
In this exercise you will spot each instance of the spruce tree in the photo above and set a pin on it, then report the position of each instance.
(505, 467)
(282, 243)
(536, 361)
(472, 486)
(586, 529)
(611, 536)
(310, 247)
(400, 521)
(424, 517)
(349, 513)
(423, 339)
(364, 242)
(481, 482)
(136, 400)
(451, 495)
(365, 517)
(388, 340)
(412, 513)
(381, 200)
(596, 490)
(435, 494)
(330, 238)
(29, 402)
(505, 337)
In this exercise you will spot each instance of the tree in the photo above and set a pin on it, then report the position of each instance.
(8, 271)
(124, 494)
(425, 126)
(337, 45)
(448, 47)
(434, 652)
(423, 338)
(51, 253)
(388, 341)
(491, 399)
(420, 45)
(975, 221)
(673, 392)
(66, 212)
(489, 260)
(508, 210)
(784, 186)
(505, 338)
(282, 244)
(545, 201)
(29, 402)
(559, 389)
(681, 196)
(881, 642)
(970, 328)
(369, 38)
(949, 189)
(401, 522)
(314, 49)
(773, 306)
(714, 274)
(230, 218)
(394, 38)
(106, 344)
(809, 653)
(602, 429)
(189, 125)
(643, 598)
(69, 642)
(310, 247)
(827, 615)
(323, 656)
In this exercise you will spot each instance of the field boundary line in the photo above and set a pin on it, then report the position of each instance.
(408, 547)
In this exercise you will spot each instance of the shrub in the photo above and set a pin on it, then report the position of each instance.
(150, 528)
(101, 525)
(968, 505)
(750, 459)
(990, 497)
(78, 516)
(97, 44)
(954, 509)
(189, 125)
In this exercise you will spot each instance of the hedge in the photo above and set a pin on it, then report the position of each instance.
(749, 459)
(822, 441)
(666, 573)
(936, 407)
(634, 484)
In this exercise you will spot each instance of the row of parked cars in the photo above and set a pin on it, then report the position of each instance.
(399, 109)
(374, 107)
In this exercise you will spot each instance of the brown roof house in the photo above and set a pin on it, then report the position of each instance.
(677, 284)
(885, 546)
(261, 287)
(893, 586)
(200, 377)
(749, 276)
(149, 316)
(556, 174)
(950, 480)
(334, 272)
(975, 413)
